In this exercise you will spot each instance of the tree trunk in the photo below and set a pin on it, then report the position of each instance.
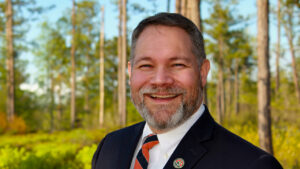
(10, 102)
(60, 105)
(220, 96)
(86, 99)
(193, 12)
(182, 7)
(124, 49)
(278, 48)
(295, 74)
(51, 110)
(86, 80)
(288, 26)
(101, 82)
(220, 85)
(122, 63)
(184, 10)
(73, 71)
(178, 6)
(228, 94)
(263, 84)
(119, 61)
(236, 88)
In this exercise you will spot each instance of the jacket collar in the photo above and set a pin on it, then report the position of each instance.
(190, 149)
(126, 154)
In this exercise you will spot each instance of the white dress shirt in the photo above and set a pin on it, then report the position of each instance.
(160, 154)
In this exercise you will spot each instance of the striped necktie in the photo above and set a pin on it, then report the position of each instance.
(142, 158)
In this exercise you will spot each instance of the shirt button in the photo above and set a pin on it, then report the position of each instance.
(166, 156)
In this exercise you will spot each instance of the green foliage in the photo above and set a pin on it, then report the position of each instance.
(2, 23)
(74, 149)
(286, 141)
(85, 155)
(285, 108)
(60, 150)
(11, 157)
(226, 36)
(248, 96)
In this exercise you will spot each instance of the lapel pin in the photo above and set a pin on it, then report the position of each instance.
(178, 163)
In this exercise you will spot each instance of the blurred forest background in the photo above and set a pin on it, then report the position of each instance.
(62, 90)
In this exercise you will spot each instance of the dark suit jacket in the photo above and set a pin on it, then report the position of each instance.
(206, 145)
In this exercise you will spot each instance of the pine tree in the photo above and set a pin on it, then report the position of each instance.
(263, 80)
(73, 68)
(101, 80)
(10, 106)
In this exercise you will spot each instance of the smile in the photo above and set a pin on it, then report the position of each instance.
(164, 98)
(158, 96)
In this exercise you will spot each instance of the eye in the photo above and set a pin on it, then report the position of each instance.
(179, 65)
(145, 66)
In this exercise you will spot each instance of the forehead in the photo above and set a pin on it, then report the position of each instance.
(161, 40)
(163, 30)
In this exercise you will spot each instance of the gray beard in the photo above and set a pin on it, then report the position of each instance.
(176, 119)
(182, 113)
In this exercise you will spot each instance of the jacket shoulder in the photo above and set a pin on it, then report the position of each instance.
(117, 146)
(126, 132)
(241, 153)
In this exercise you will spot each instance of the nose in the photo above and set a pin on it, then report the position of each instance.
(161, 77)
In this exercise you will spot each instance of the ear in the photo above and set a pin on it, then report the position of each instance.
(204, 69)
(129, 70)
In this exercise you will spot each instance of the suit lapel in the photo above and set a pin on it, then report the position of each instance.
(126, 152)
(190, 149)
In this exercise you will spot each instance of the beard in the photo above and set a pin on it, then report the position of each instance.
(167, 116)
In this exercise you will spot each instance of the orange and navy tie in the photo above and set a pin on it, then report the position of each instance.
(142, 158)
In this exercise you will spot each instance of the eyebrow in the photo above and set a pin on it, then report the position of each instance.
(147, 58)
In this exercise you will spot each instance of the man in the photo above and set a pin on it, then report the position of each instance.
(168, 70)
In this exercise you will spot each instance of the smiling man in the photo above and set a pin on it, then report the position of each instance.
(168, 70)
(165, 77)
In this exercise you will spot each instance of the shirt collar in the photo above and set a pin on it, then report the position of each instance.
(175, 135)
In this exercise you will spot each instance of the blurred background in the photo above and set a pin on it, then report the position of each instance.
(63, 76)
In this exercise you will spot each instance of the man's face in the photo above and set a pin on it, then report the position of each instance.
(165, 77)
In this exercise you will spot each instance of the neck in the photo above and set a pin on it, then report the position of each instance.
(158, 131)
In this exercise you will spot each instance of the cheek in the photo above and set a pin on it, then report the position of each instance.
(137, 81)
(188, 80)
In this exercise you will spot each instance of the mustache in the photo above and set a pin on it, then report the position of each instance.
(167, 90)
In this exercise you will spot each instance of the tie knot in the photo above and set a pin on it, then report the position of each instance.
(150, 141)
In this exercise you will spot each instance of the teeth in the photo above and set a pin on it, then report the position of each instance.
(163, 96)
